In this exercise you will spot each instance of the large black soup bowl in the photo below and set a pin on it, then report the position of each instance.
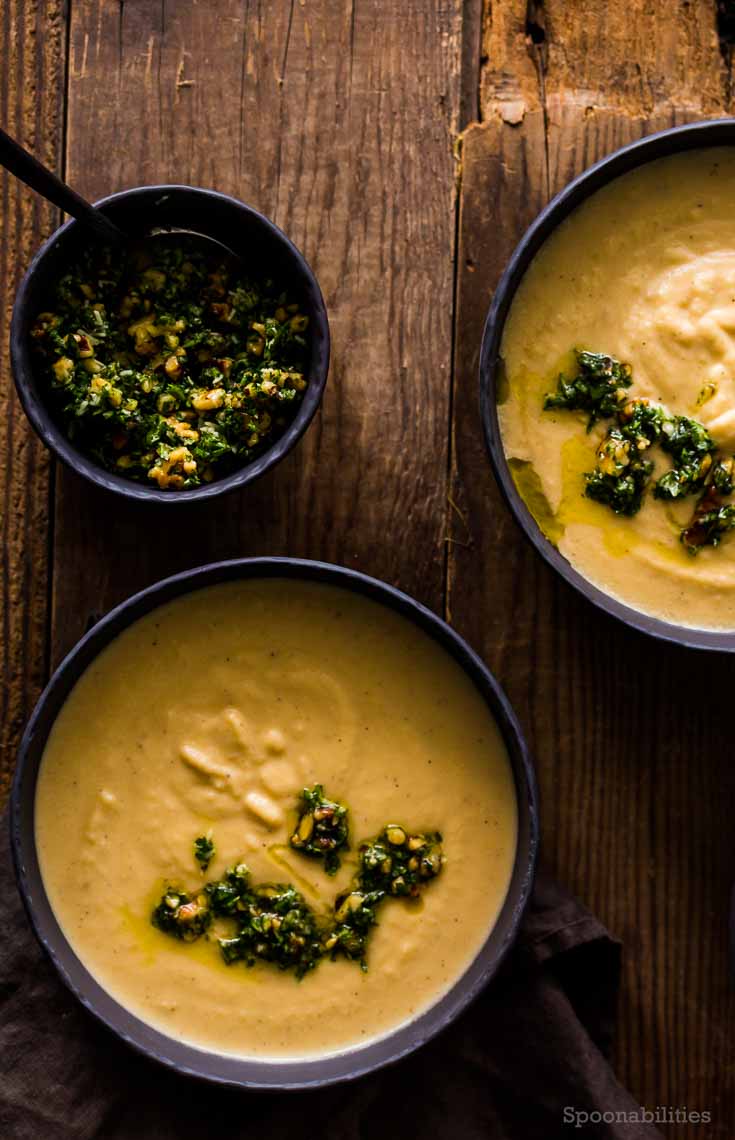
(266, 252)
(694, 136)
(184, 1058)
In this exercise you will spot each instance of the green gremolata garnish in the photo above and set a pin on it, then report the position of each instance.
(623, 470)
(597, 388)
(273, 922)
(170, 368)
(322, 828)
(204, 851)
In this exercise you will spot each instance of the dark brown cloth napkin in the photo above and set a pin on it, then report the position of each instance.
(532, 1046)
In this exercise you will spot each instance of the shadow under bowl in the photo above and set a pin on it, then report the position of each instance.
(694, 136)
(265, 251)
(268, 1074)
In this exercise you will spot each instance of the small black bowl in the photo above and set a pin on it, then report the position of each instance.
(241, 228)
(299, 1074)
(694, 136)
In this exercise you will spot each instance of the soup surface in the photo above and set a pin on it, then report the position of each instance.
(644, 271)
(211, 714)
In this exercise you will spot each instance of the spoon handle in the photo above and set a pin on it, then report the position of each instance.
(23, 165)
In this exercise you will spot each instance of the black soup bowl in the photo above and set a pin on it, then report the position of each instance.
(252, 1073)
(265, 251)
(694, 136)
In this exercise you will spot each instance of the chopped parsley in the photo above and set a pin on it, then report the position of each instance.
(321, 829)
(722, 477)
(620, 477)
(641, 422)
(712, 519)
(172, 370)
(273, 922)
(355, 914)
(623, 471)
(597, 388)
(690, 445)
(709, 527)
(396, 864)
(204, 851)
(182, 915)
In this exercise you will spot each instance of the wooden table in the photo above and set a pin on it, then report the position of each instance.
(404, 145)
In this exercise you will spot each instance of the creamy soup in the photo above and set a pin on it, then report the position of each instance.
(209, 716)
(644, 270)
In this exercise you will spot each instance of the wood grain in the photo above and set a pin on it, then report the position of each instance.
(337, 120)
(631, 738)
(31, 90)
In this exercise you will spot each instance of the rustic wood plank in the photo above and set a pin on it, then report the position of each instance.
(337, 120)
(632, 746)
(626, 808)
(31, 87)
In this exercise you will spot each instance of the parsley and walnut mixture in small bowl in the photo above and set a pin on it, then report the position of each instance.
(171, 370)
(168, 373)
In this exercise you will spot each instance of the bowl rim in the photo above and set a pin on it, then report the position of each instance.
(35, 405)
(270, 1074)
(674, 140)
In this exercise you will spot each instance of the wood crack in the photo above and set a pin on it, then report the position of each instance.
(563, 84)
(725, 10)
(243, 64)
(282, 110)
(537, 46)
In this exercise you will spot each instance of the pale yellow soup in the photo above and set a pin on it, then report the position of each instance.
(213, 712)
(644, 270)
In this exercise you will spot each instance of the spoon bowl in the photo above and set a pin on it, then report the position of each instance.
(210, 247)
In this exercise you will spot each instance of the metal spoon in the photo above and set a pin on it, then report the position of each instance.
(28, 169)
